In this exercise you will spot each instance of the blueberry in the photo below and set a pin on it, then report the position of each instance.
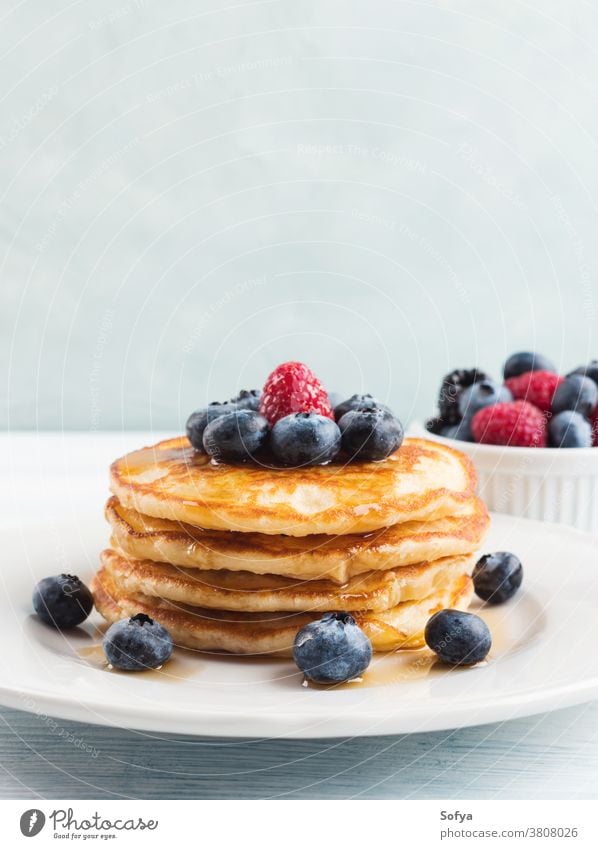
(332, 650)
(458, 638)
(449, 431)
(461, 431)
(199, 420)
(591, 371)
(497, 576)
(358, 402)
(62, 601)
(452, 386)
(137, 643)
(247, 399)
(305, 439)
(235, 436)
(577, 393)
(370, 434)
(524, 361)
(482, 394)
(570, 430)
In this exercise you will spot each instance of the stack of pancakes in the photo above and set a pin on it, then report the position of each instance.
(238, 558)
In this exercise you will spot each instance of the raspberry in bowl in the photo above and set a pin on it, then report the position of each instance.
(533, 436)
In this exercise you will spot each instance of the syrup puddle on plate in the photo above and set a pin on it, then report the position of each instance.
(179, 667)
(509, 635)
(387, 670)
(513, 629)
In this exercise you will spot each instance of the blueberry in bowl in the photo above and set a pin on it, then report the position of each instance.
(458, 638)
(591, 371)
(460, 431)
(137, 644)
(332, 650)
(481, 394)
(497, 577)
(523, 361)
(62, 601)
(570, 429)
(305, 439)
(577, 393)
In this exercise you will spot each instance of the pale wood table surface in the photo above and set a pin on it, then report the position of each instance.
(547, 756)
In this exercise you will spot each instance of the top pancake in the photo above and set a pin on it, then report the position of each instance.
(170, 480)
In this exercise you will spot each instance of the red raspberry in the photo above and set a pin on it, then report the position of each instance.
(293, 388)
(537, 387)
(514, 423)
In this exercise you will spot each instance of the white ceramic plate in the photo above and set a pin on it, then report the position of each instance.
(543, 657)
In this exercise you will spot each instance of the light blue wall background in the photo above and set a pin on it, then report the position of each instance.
(194, 191)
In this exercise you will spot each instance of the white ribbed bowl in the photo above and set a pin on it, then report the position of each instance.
(551, 484)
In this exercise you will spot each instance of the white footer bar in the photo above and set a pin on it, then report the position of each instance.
(299, 824)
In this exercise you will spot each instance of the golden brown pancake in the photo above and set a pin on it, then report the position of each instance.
(400, 627)
(273, 593)
(422, 480)
(336, 558)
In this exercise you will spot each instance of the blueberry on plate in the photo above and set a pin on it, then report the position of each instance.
(247, 399)
(577, 393)
(370, 434)
(332, 650)
(524, 361)
(305, 439)
(137, 643)
(453, 384)
(458, 638)
(570, 430)
(62, 601)
(482, 394)
(199, 420)
(358, 402)
(235, 436)
(497, 576)
(591, 371)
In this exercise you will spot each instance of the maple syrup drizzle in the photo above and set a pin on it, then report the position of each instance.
(176, 669)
